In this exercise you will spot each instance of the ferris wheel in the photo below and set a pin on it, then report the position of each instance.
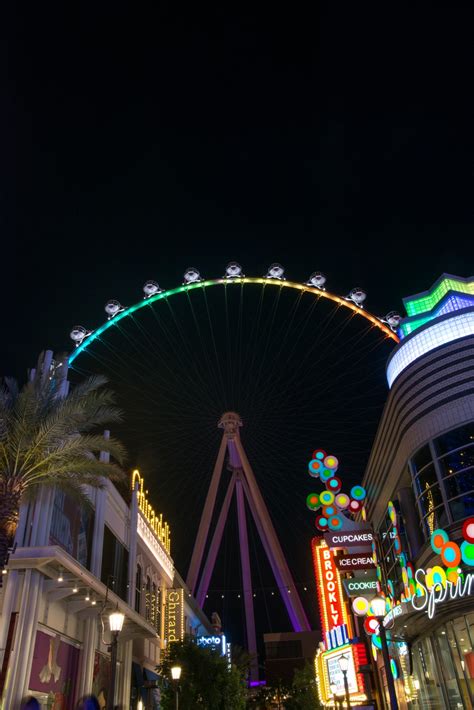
(299, 363)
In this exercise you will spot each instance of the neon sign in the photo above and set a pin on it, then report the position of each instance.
(429, 597)
(155, 521)
(328, 581)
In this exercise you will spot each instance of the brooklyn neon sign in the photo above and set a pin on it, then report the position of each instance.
(428, 598)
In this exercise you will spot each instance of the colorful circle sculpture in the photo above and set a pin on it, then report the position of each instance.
(394, 668)
(335, 522)
(334, 484)
(371, 625)
(312, 501)
(450, 554)
(314, 468)
(331, 462)
(438, 539)
(358, 493)
(467, 553)
(321, 522)
(342, 501)
(326, 498)
(324, 467)
(360, 606)
(468, 530)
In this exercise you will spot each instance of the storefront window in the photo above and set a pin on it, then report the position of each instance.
(446, 663)
(72, 526)
(443, 479)
(114, 564)
(428, 682)
(462, 650)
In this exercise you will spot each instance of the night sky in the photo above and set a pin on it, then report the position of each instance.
(138, 142)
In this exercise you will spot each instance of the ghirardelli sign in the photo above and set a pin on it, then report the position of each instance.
(174, 615)
(355, 560)
(360, 537)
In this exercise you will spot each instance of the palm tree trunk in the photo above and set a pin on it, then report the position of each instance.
(9, 512)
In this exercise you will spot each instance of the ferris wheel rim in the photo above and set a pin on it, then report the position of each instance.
(206, 283)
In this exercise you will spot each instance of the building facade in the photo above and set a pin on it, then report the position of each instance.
(72, 566)
(422, 461)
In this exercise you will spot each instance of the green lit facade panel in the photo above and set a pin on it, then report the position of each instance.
(426, 301)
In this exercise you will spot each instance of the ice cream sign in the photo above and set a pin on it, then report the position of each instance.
(329, 587)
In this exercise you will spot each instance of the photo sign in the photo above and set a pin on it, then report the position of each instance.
(361, 537)
(354, 561)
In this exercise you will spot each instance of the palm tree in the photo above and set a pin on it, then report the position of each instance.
(48, 439)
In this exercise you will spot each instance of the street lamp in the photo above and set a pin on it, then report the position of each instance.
(377, 605)
(344, 666)
(176, 675)
(333, 688)
(116, 620)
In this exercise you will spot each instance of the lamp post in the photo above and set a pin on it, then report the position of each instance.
(377, 605)
(116, 620)
(333, 688)
(344, 665)
(176, 675)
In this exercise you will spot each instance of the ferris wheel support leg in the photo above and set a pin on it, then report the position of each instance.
(246, 579)
(215, 544)
(206, 517)
(272, 546)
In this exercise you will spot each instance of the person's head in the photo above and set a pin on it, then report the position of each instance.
(88, 702)
(30, 703)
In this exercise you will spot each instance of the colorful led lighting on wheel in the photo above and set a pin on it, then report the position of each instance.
(164, 295)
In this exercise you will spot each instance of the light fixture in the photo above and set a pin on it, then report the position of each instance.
(4, 570)
(176, 672)
(87, 597)
(377, 605)
(75, 589)
(116, 620)
(140, 705)
(60, 575)
(344, 663)
(93, 601)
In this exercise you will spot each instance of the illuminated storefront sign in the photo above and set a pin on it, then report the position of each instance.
(360, 586)
(174, 615)
(328, 583)
(427, 598)
(360, 537)
(337, 637)
(360, 560)
(215, 642)
(331, 678)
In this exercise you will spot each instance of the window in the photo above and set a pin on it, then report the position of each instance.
(72, 527)
(443, 479)
(138, 589)
(148, 599)
(114, 564)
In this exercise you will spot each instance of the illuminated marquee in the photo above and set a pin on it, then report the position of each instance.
(174, 615)
(329, 673)
(328, 583)
(155, 521)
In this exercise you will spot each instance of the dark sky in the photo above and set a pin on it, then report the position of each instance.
(138, 140)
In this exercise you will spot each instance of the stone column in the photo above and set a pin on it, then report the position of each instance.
(89, 645)
(125, 681)
(22, 653)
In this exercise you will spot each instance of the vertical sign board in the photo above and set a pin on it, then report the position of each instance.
(328, 583)
(174, 615)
